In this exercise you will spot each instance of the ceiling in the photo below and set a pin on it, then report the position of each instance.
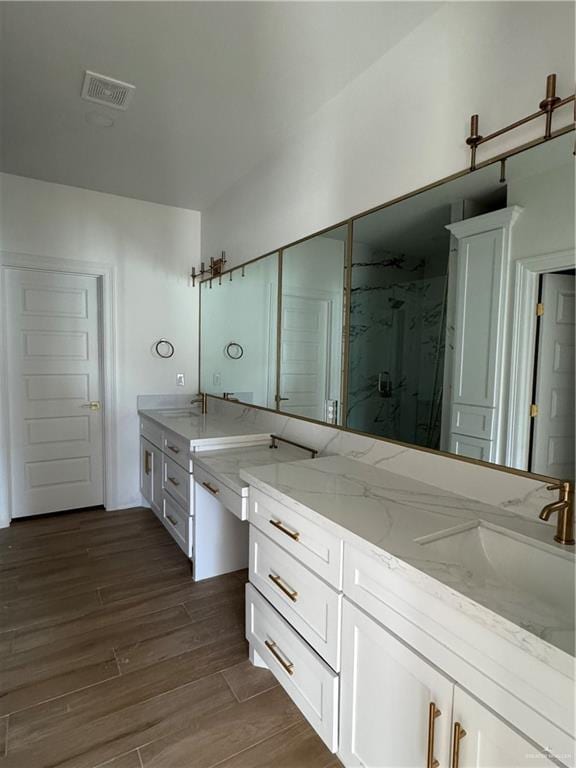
(219, 85)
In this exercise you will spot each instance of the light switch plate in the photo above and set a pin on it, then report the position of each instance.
(179, 379)
(216, 379)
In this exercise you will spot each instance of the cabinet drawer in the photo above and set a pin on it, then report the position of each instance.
(317, 548)
(307, 602)
(178, 449)
(307, 679)
(227, 497)
(178, 523)
(365, 584)
(176, 481)
(151, 432)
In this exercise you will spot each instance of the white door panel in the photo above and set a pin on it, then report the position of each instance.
(305, 355)
(53, 373)
(553, 438)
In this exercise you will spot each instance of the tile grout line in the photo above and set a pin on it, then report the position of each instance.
(256, 744)
(7, 718)
(232, 691)
(139, 756)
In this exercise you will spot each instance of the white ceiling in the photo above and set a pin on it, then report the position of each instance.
(218, 86)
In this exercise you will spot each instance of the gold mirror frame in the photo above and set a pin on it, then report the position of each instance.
(349, 223)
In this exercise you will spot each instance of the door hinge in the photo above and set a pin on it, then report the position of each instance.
(533, 410)
(539, 309)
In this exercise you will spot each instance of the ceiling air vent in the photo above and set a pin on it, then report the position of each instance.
(106, 90)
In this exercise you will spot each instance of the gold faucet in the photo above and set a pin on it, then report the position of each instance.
(203, 400)
(565, 509)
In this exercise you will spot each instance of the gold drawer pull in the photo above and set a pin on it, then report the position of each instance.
(287, 665)
(171, 520)
(458, 734)
(147, 457)
(174, 481)
(173, 448)
(292, 594)
(293, 534)
(433, 713)
(211, 488)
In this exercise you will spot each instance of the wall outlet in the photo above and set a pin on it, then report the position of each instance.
(179, 379)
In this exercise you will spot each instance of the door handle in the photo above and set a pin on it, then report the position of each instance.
(457, 736)
(433, 713)
(273, 648)
(94, 405)
(291, 593)
(277, 524)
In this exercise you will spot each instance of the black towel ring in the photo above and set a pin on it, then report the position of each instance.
(164, 354)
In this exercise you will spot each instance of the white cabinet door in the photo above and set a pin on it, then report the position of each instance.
(488, 742)
(389, 695)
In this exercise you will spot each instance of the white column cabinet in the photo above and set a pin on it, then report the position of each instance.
(480, 286)
(389, 696)
(488, 742)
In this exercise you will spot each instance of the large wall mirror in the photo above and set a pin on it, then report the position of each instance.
(447, 322)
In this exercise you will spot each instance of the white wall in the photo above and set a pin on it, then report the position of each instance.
(402, 123)
(152, 247)
(546, 224)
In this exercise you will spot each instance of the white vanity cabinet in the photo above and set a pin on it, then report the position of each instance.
(203, 515)
(395, 707)
(294, 608)
(398, 710)
(390, 670)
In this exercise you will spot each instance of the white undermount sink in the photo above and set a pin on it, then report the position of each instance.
(494, 556)
(178, 413)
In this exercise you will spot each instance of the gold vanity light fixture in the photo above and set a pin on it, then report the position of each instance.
(214, 269)
(564, 506)
(547, 107)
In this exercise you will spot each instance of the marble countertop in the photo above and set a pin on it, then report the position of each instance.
(200, 428)
(227, 463)
(399, 520)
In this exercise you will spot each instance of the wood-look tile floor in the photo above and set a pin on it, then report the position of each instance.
(111, 655)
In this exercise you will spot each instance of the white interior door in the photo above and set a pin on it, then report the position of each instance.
(553, 436)
(304, 355)
(56, 450)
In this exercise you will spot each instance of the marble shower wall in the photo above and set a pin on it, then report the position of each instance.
(397, 338)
